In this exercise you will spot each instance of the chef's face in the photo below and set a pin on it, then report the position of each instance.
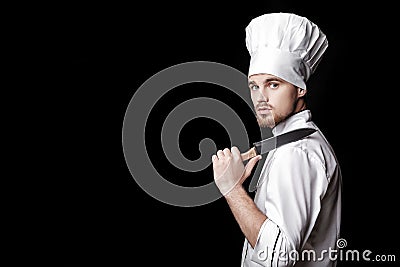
(273, 98)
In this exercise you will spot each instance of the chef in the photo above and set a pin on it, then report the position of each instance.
(294, 218)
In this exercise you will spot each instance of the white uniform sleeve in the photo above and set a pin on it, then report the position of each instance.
(295, 186)
(271, 246)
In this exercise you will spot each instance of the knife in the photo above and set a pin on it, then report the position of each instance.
(273, 142)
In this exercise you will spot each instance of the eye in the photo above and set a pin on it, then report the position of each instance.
(254, 87)
(273, 85)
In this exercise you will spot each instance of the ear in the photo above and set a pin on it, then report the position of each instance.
(301, 92)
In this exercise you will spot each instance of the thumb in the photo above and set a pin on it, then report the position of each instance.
(250, 165)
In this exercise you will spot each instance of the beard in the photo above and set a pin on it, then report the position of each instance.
(265, 120)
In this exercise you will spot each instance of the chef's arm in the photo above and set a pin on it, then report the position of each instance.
(229, 175)
(246, 213)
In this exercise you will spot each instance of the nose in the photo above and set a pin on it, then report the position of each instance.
(262, 95)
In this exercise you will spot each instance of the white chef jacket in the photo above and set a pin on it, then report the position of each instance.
(299, 190)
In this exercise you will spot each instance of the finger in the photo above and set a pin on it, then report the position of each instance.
(250, 165)
(214, 158)
(227, 152)
(220, 154)
(235, 151)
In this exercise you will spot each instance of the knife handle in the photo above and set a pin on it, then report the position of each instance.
(251, 153)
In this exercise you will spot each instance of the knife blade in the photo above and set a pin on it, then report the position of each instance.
(273, 142)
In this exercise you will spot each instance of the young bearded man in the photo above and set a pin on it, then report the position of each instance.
(294, 218)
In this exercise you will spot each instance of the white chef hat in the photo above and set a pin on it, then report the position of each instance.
(285, 45)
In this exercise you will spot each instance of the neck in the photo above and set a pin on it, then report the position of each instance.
(300, 105)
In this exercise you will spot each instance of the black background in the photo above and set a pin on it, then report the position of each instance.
(96, 215)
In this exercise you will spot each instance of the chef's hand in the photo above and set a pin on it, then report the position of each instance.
(229, 170)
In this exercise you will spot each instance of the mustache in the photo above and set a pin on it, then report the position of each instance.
(258, 106)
